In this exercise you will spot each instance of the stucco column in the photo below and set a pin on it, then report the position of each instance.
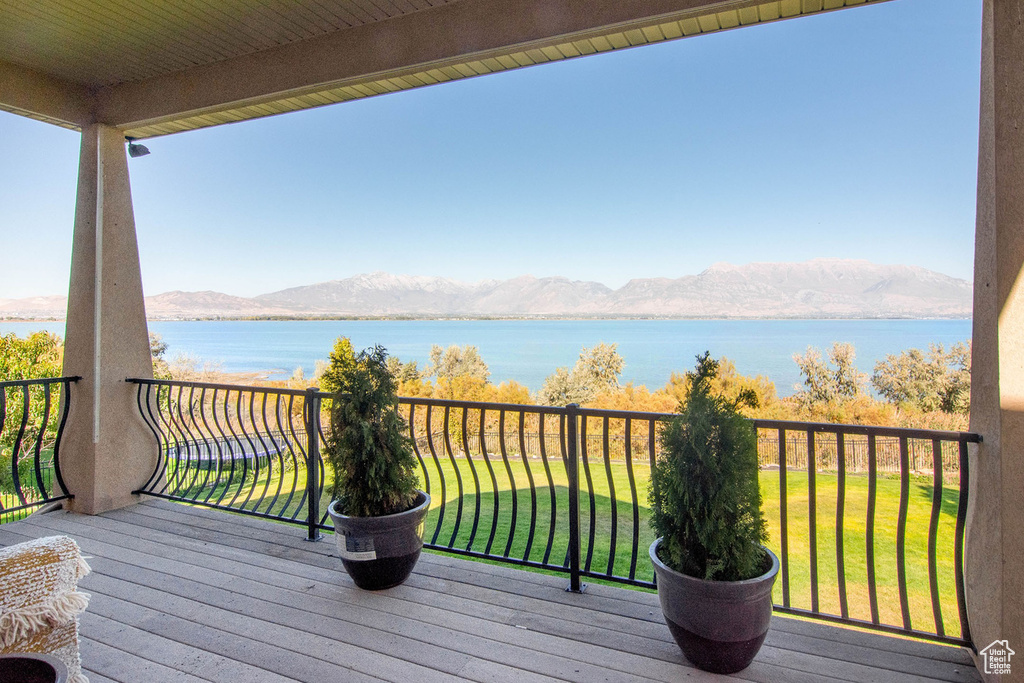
(107, 452)
(995, 522)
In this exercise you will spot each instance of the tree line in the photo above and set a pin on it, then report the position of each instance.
(914, 388)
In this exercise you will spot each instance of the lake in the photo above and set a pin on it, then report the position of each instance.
(529, 350)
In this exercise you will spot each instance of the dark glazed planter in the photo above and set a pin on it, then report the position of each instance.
(380, 552)
(32, 668)
(719, 625)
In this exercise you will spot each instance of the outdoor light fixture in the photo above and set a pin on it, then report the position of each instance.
(135, 150)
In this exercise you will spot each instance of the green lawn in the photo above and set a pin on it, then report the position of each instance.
(599, 516)
(479, 529)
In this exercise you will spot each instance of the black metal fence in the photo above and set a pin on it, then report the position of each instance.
(868, 522)
(32, 417)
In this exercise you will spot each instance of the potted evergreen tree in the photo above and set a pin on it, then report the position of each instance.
(377, 509)
(714, 574)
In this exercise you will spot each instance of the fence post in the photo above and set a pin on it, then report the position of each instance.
(572, 471)
(312, 415)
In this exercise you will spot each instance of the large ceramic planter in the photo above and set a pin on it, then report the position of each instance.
(719, 625)
(25, 667)
(380, 552)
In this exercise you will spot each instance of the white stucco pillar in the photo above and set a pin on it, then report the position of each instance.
(107, 452)
(995, 523)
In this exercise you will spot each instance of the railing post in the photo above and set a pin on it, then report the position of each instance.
(312, 414)
(572, 471)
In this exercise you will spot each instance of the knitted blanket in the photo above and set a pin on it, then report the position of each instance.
(39, 600)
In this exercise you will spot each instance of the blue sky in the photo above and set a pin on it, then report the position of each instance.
(851, 134)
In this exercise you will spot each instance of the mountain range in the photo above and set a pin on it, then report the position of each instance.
(820, 288)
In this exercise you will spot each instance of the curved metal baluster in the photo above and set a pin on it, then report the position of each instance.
(205, 444)
(652, 452)
(16, 450)
(440, 476)
(238, 442)
(416, 447)
(844, 609)
(783, 517)
(458, 477)
(551, 488)
(958, 548)
(476, 478)
(277, 449)
(812, 515)
(933, 531)
(635, 549)
(869, 537)
(533, 487)
(173, 423)
(322, 470)
(901, 531)
(217, 441)
(188, 441)
(148, 418)
(65, 409)
(611, 496)
(511, 481)
(191, 443)
(494, 482)
(298, 458)
(562, 439)
(258, 452)
(230, 444)
(165, 418)
(592, 526)
(41, 487)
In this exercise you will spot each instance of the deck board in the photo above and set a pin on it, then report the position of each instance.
(183, 593)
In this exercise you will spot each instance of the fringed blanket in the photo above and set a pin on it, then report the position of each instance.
(39, 600)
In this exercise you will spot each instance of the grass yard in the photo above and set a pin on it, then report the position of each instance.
(616, 511)
(484, 516)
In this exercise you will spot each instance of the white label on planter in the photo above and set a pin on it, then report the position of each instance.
(354, 548)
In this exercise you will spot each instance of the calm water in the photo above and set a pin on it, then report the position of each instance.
(529, 350)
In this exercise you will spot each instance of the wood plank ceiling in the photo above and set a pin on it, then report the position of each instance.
(109, 42)
(117, 49)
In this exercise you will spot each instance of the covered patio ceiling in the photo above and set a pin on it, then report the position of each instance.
(154, 67)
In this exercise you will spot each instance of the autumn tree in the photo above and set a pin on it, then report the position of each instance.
(403, 372)
(596, 370)
(938, 380)
(457, 361)
(729, 384)
(38, 355)
(829, 381)
(157, 350)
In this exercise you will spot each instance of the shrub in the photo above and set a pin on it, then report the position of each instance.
(704, 494)
(369, 447)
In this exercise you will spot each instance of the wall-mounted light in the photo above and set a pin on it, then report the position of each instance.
(136, 150)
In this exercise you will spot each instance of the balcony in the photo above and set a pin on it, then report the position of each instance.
(183, 593)
(868, 523)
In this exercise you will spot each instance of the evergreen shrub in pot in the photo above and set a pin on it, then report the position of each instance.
(714, 574)
(377, 509)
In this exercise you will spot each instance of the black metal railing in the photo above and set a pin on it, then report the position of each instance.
(251, 450)
(868, 522)
(32, 417)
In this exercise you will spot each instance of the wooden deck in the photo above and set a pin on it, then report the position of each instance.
(185, 594)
